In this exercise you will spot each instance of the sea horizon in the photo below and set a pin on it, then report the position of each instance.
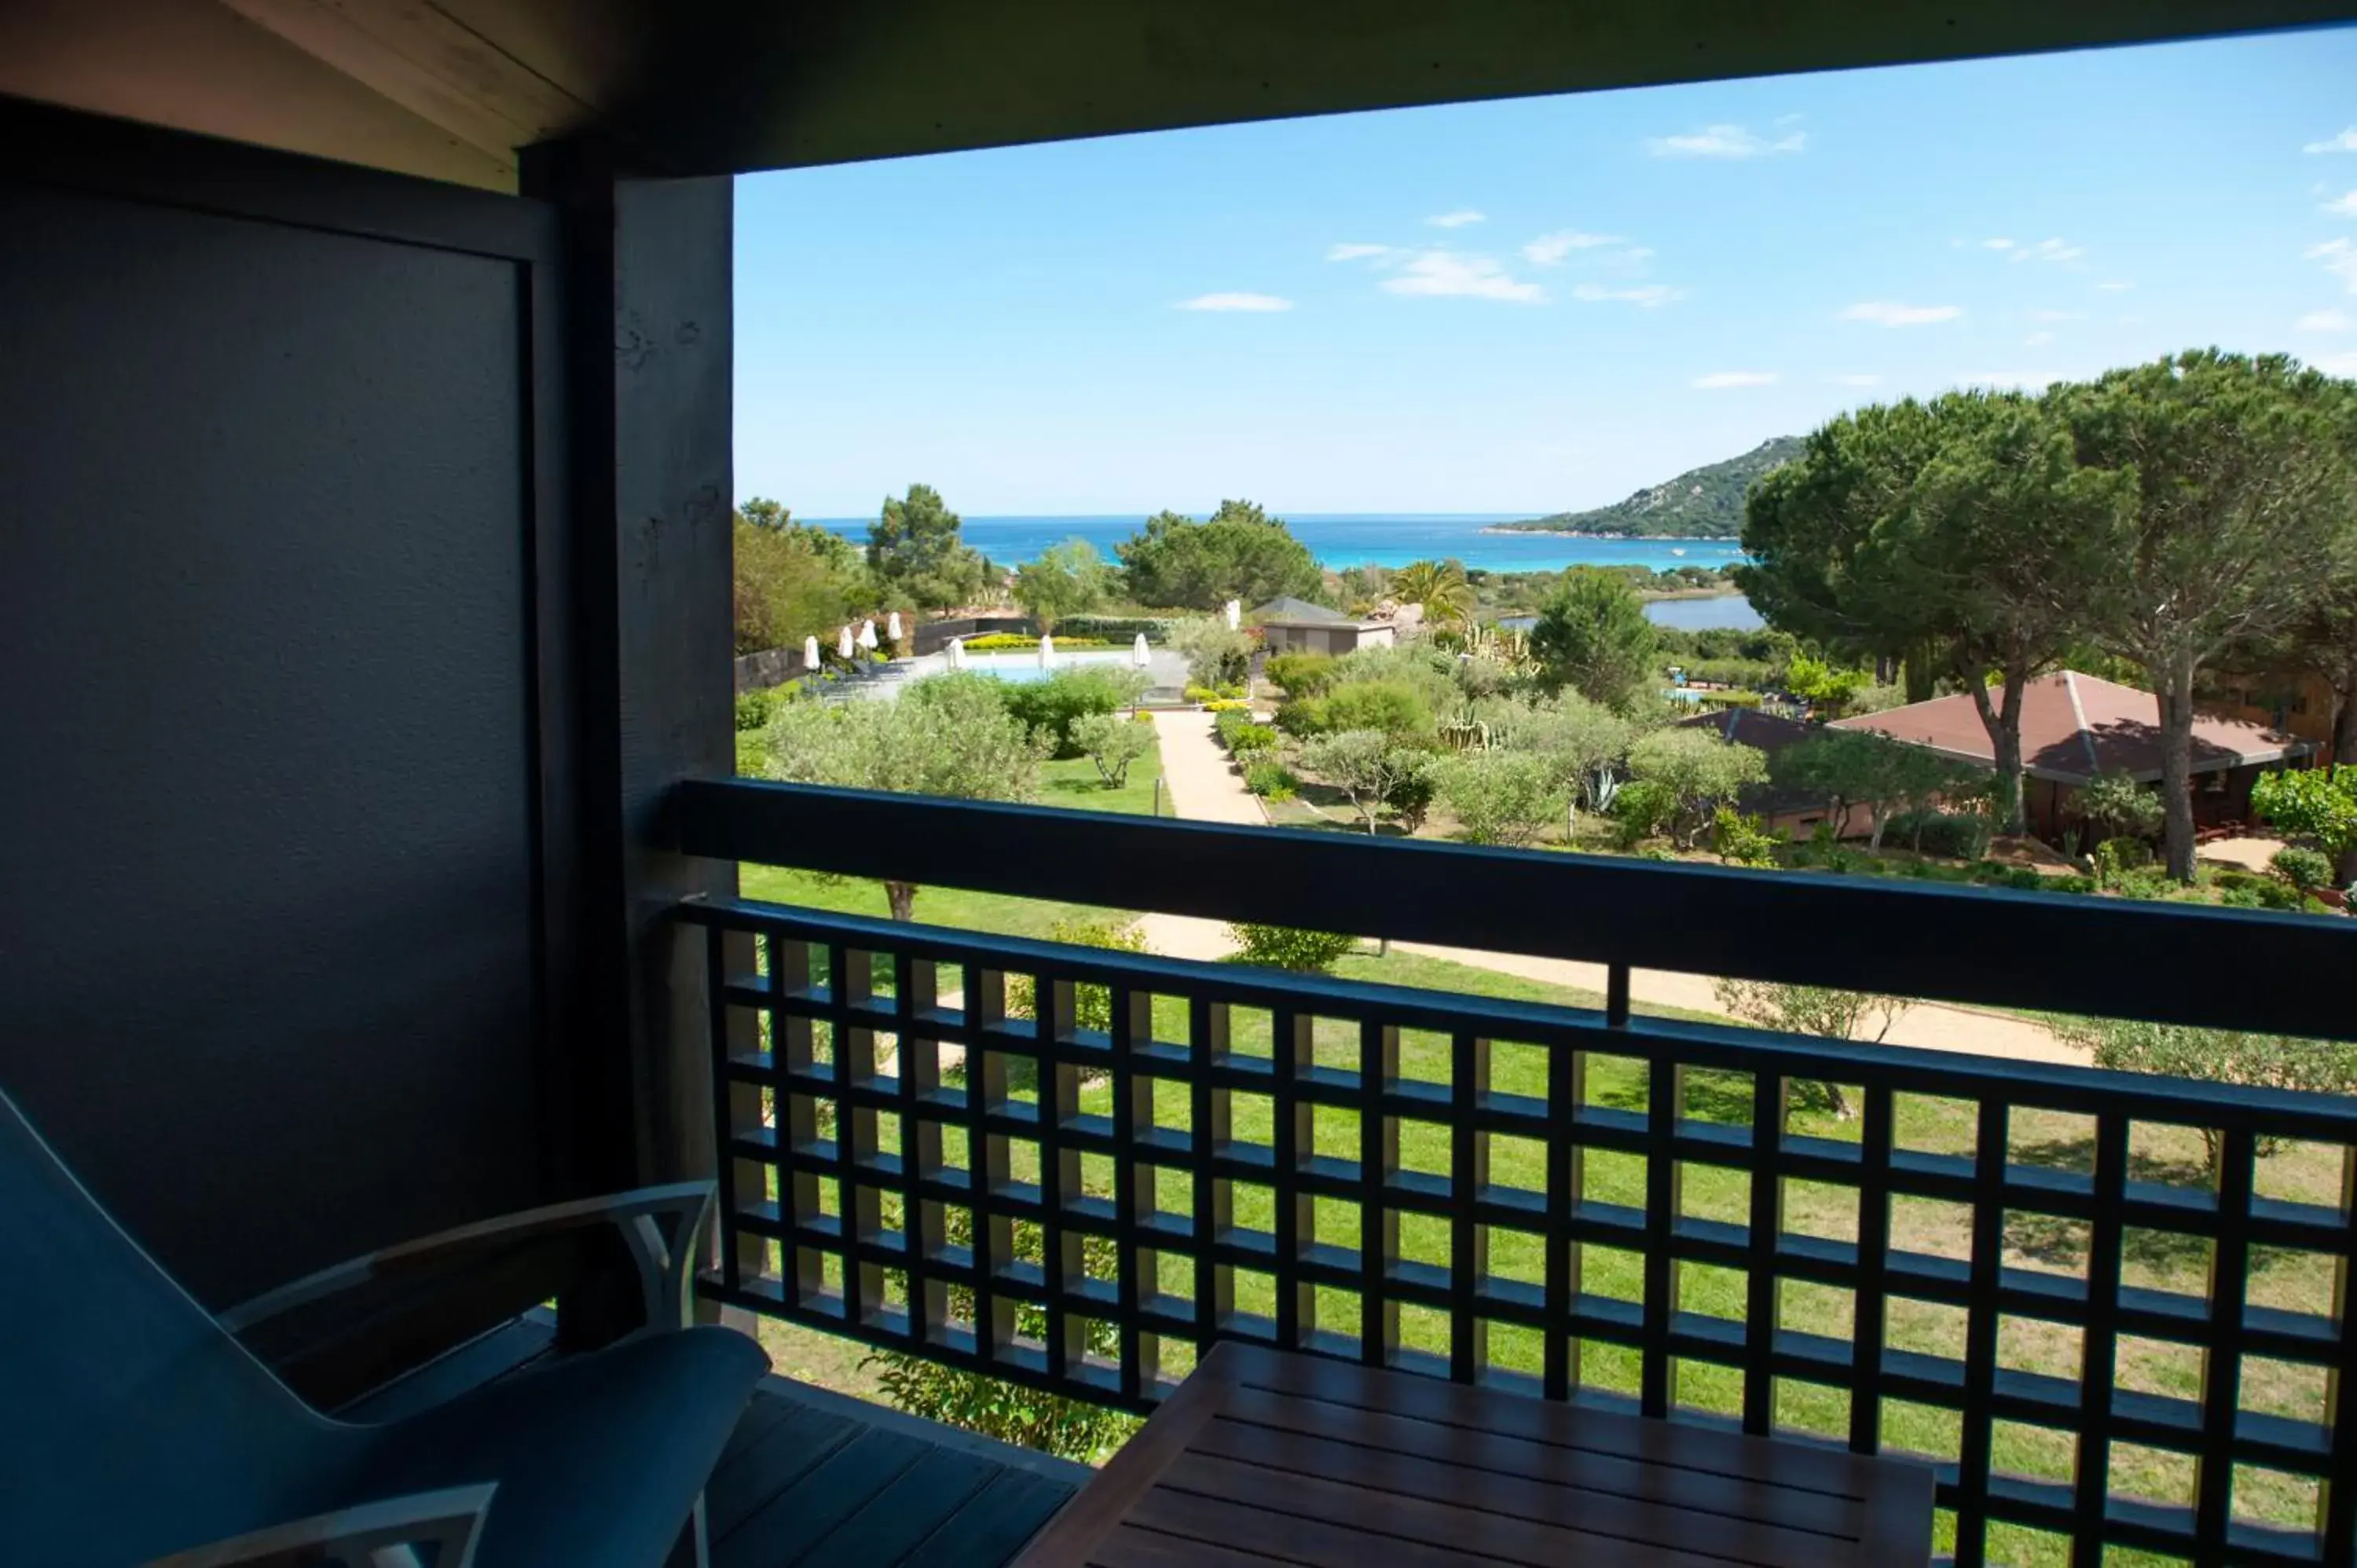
(1342, 540)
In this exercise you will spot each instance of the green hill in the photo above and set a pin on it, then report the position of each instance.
(1701, 504)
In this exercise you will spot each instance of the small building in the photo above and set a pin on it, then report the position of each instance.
(2075, 726)
(1289, 625)
(1795, 812)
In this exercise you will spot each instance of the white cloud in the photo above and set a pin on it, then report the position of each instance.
(2057, 315)
(1234, 302)
(1726, 142)
(2344, 142)
(2343, 207)
(1856, 380)
(2015, 381)
(1453, 272)
(2340, 258)
(1645, 294)
(2047, 251)
(1996, 244)
(1457, 220)
(1348, 252)
(1720, 380)
(2337, 364)
(2328, 321)
(1890, 313)
(2116, 287)
(1549, 250)
(2037, 339)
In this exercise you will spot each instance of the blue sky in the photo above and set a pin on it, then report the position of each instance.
(1531, 306)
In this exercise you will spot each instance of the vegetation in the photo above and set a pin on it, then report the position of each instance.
(1701, 504)
(946, 734)
(1281, 947)
(1240, 552)
(1813, 1010)
(1502, 797)
(1440, 588)
(2115, 805)
(1698, 771)
(1216, 656)
(1301, 675)
(916, 554)
(1366, 765)
(1854, 768)
(1052, 707)
(1092, 1004)
(1113, 743)
(2219, 1055)
(1066, 580)
(2306, 869)
(2319, 803)
(1593, 638)
(2236, 491)
(1741, 839)
(794, 580)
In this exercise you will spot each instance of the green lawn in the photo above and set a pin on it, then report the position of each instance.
(1072, 783)
(2031, 1241)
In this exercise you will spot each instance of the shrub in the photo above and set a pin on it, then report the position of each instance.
(1092, 1004)
(2219, 1055)
(1050, 706)
(1501, 796)
(2073, 883)
(1741, 839)
(2026, 879)
(1956, 834)
(1640, 811)
(1113, 743)
(2306, 869)
(1398, 710)
(994, 1407)
(1414, 789)
(1303, 717)
(1018, 642)
(754, 708)
(2242, 898)
(1302, 674)
(1282, 947)
(1271, 781)
(1249, 737)
(1227, 706)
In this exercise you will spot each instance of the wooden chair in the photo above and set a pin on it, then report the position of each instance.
(137, 1427)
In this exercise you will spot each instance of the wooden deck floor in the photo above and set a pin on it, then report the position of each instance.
(813, 1479)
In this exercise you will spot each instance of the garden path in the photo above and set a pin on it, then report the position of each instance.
(1204, 789)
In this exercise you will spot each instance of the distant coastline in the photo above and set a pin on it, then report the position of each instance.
(1530, 529)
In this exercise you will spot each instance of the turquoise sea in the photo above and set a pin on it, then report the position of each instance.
(1355, 539)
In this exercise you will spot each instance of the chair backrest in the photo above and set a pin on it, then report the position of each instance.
(130, 1424)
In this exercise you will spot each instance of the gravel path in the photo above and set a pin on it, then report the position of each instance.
(1195, 770)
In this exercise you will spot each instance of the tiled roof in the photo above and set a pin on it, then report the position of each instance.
(2075, 726)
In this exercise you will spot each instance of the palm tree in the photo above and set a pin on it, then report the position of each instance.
(1440, 588)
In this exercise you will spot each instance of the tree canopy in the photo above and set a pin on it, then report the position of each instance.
(1240, 552)
(1592, 638)
(946, 734)
(2234, 484)
(1699, 770)
(917, 552)
(1065, 579)
(1854, 768)
(793, 580)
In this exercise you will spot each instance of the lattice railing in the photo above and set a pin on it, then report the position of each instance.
(2031, 1274)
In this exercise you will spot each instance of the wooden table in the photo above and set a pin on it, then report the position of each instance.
(1265, 1458)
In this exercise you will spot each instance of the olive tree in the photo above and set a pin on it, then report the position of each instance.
(1699, 770)
(946, 734)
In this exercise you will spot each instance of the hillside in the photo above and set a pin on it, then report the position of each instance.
(1701, 504)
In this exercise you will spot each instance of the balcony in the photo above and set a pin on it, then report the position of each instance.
(1593, 1205)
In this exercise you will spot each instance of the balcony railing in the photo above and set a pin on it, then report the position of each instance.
(1589, 1205)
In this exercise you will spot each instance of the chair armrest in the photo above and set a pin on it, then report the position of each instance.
(447, 1520)
(666, 1264)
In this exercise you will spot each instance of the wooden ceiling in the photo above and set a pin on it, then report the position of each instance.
(450, 89)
